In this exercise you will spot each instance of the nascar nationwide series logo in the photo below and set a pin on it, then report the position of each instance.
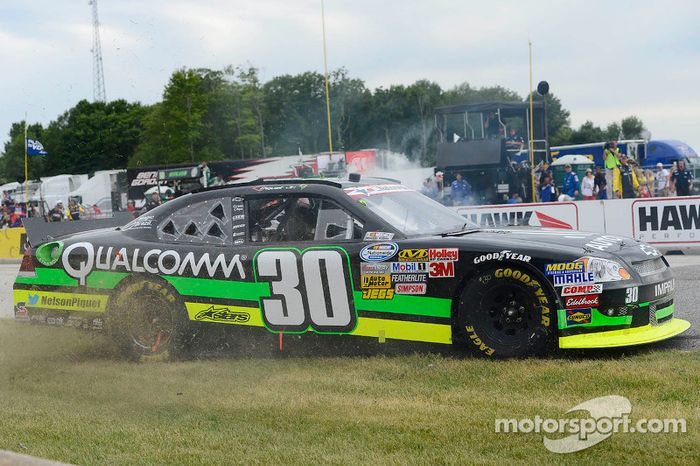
(79, 260)
(379, 252)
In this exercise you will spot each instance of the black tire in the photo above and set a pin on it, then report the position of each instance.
(148, 318)
(505, 312)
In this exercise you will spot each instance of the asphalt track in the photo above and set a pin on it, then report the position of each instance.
(686, 269)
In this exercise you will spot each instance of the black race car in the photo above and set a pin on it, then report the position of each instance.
(370, 259)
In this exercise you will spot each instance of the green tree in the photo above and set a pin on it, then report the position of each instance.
(632, 127)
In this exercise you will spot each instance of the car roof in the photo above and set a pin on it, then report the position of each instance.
(332, 182)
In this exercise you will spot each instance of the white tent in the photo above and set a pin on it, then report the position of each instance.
(573, 159)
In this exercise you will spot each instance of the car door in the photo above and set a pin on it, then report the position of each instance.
(302, 247)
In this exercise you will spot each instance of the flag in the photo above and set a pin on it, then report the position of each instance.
(34, 147)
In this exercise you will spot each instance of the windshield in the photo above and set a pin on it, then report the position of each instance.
(409, 211)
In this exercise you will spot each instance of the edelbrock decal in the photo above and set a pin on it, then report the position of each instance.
(156, 261)
(379, 252)
(573, 302)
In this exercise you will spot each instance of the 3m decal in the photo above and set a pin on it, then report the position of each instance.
(443, 254)
(574, 302)
(308, 289)
(574, 290)
(408, 267)
(413, 255)
(410, 288)
(378, 236)
(442, 269)
(376, 281)
(375, 268)
(578, 316)
(222, 314)
(503, 255)
(379, 252)
(79, 260)
(409, 278)
(632, 295)
(661, 289)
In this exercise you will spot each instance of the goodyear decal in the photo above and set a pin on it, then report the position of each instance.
(65, 301)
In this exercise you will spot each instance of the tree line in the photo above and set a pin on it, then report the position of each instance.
(209, 114)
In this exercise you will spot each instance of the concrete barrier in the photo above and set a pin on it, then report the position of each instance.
(8, 458)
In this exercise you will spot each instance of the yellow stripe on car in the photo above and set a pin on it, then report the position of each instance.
(403, 330)
(626, 337)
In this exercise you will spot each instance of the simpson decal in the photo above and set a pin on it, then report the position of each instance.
(411, 288)
(379, 252)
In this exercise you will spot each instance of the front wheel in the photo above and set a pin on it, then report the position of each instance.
(505, 312)
(147, 318)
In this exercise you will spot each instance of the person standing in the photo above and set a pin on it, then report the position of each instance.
(588, 186)
(682, 179)
(625, 184)
(154, 202)
(56, 214)
(612, 162)
(570, 185)
(459, 190)
(601, 183)
(75, 210)
(548, 192)
(661, 180)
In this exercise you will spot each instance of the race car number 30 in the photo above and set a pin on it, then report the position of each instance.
(307, 289)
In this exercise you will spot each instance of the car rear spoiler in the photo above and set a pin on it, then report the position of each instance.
(40, 231)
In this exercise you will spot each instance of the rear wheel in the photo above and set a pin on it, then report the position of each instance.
(505, 312)
(147, 318)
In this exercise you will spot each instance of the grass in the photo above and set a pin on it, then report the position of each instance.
(64, 396)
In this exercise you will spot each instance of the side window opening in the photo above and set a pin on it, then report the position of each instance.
(205, 222)
(300, 219)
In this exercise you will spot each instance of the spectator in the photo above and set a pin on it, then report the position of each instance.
(154, 202)
(570, 186)
(56, 214)
(612, 162)
(5, 221)
(492, 126)
(644, 191)
(440, 186)
(96, 210)
(130, 206)
(75, 210)
(459, 190)
(429, 188)
(625, 184)
(682, 179)
(661, 181)
(548, 193)
(600, 183)
(515, 199)
(588, 186)
(649, 180)
(513, 141)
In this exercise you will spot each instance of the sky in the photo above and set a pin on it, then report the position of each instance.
(604, 59)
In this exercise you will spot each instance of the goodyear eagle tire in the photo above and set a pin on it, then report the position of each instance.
(147, 318)
(505, 312)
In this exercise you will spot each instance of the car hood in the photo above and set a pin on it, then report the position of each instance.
(566, 242)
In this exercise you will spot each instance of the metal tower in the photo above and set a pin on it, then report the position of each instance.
(98, 77)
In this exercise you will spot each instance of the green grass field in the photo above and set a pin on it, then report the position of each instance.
(64, 396)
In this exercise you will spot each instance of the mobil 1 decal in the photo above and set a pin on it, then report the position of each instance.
(308, 289)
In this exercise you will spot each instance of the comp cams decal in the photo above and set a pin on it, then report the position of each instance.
(574, 290)
(80, 259)
(379, 252)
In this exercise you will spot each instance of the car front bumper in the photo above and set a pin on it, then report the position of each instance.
(626, 337)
